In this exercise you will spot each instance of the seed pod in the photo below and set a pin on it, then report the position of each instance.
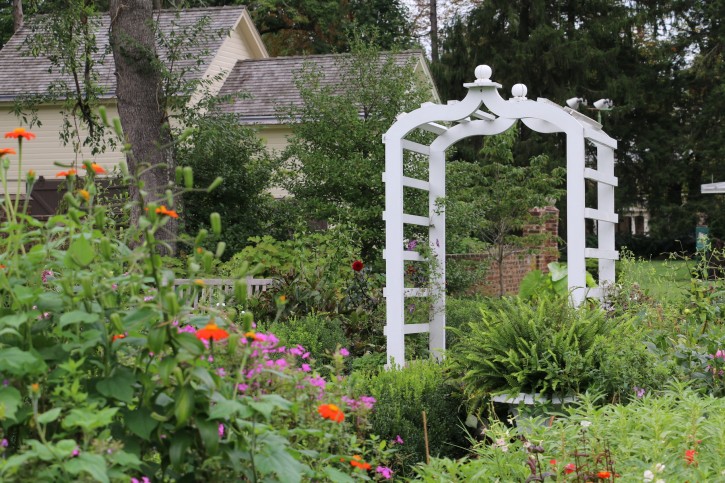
(116, 322)
(207, 260)
(156, 339)
(117, 127)
(220, 249)
(172, 303)
(106, 248)
(240, 291)
(184, 405)
(217, 181)
(100, 215)
(188, 177)
(200, 237)
(104, 115)
(179, 175)
(216, 223)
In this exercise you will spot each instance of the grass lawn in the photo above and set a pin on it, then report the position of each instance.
(662, 279)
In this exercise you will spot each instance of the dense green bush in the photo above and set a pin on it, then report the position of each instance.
(678, 436)
(459, 312)
(319, 335)
(402, 395)
(547, 347)
(220, 146)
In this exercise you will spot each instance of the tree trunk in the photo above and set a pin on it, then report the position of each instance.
(140, 106)
(434, 31)
(17, 15)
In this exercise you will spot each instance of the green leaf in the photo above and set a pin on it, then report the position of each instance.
(80, 252)
(92, 464)
(50, 302)
(76, 317)
(139, 317)
(179, 445)
(9, 402)
(209, 432)
(274, 458)
(49, 416)
(184, 404)
(25, 295)
(20, 363)
(558, 270)
(190, 343)
(140, 422)
(336, 475)
(14, 321)
(89, 419)
(227, 408)
(119, 386)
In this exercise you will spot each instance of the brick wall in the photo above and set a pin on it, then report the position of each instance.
(520, 261)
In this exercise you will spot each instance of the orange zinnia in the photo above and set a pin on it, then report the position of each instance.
(211, 331)
(118, 336)
(331, 412)
(162, 210)
(253, 335)
(70, 172)
(20, 132)
(604, 475)
(5, 151)
(84, 194)
(357, 462)
(97, 168)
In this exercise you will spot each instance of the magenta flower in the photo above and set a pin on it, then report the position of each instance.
(344, 352)
(221, 431)
(386, 472)
(398, 440)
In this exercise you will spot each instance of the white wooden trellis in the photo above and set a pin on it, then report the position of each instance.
(467, 119)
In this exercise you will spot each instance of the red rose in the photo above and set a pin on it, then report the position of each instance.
(357, 265)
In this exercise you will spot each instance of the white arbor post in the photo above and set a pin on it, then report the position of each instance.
(465, 119)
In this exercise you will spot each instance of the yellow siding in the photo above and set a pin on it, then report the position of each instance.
(233, 48)
(275, 138)
(40, 153)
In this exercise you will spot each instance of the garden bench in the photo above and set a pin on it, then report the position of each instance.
(214, 286)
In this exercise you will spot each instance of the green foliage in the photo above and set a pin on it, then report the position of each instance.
(490, 199)
(109, 373)
(678, 421)
(402, 395)
(335, 156)
(220, 146)
(304, 27)
(520, 347)
(320, 336)
(554, 283)
(459, 313)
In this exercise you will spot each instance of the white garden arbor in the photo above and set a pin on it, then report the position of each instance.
(465, 119)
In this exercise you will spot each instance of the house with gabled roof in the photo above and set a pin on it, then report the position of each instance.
(236, 62)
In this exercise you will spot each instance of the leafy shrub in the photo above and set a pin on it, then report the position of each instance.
(459, 312)
(319, 335)
(520, 347)
(678, 436)
(222, 147)
(402, 395)
(108, 373)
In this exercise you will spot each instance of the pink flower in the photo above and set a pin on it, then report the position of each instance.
(344, 352)
(398, 440)
(317, 381)
(386, 472)
(369, 402)
(221, 372)
(221, 431)
(306, 368)
(242, 387)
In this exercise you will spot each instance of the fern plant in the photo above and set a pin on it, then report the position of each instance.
(547, 348)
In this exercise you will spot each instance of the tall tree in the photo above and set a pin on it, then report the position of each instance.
(591, 49)
(139, 92)
(335, 156)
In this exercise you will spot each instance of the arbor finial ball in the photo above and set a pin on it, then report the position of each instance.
(483, 72)
(519, 90)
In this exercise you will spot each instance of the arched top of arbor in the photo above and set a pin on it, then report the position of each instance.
(483, 112)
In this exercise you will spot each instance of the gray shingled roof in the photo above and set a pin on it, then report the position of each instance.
(22, 74)
(270, 83)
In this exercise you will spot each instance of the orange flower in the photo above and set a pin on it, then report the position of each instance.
(84, 194)
(97, 168)
(211, 331)
(690, 456)
(2, 266)
(253, 335)
(118, 336)
(603, 475)
(65, 174)
(162, 210)
(20, 132)
(331, 412)
(199, 282)
(357, 462)
(5, 151)
(570, 468)
(35, 387)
